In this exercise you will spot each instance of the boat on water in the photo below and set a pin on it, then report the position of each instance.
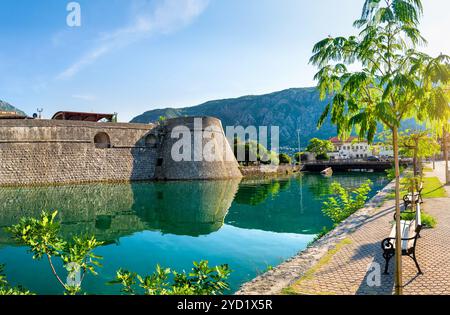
(327, 172)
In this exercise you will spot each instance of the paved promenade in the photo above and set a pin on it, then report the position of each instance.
(345, 270)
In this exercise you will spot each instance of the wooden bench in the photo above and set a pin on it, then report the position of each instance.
(407, 199)
(410, 233)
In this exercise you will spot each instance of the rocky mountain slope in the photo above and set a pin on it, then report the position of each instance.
(291, 110)
(6, 107)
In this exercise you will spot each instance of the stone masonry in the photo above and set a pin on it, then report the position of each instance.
(58, 152)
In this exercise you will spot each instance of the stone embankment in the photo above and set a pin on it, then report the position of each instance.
(266, 171)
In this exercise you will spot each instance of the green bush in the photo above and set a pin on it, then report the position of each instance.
(344, 203)
(202, 280)
(284, 158)
(427, 219)
(390, 173)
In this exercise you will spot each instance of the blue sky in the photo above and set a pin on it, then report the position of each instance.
(129, 56)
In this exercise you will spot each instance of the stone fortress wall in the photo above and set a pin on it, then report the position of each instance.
(34, 152)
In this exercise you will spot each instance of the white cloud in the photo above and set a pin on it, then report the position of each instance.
(166, 17)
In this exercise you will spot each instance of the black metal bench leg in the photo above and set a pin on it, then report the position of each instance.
(417, 264)
(387, 257)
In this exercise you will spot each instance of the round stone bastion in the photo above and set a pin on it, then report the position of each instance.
(195, 148)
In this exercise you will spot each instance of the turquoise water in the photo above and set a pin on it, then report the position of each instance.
(249, 225)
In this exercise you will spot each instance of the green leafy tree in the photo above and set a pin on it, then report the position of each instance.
(392, 81)
(344, 203)
(254, 152)
(202, 280)
(418, 145)
(441, 126)
(284, 158)
(320, 148)
(300, 156)
(42, 237)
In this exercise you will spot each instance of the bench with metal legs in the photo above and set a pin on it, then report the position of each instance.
(410, 233)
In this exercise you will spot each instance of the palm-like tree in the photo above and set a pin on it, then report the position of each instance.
(394, 80)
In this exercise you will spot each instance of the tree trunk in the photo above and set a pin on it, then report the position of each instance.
(398, 241)
(444, 139)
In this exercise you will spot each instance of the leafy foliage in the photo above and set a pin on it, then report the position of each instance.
(6, 289)
(284, 158)
(344, 203)
(319, 147)
(42, 237)
(202, 280)
(300, 156)
(427, 219)
(253, 152)
(390, 173)
(395, 81)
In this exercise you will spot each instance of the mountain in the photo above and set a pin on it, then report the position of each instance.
(291, 110)
(6, 107)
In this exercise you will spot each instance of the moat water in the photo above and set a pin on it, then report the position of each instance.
(250, 225)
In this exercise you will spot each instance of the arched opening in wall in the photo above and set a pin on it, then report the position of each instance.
(151, 141)
(102, 141)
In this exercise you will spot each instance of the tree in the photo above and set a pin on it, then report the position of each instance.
(42, 236)
(284, 158)
(254, 152)
(319, 147)
(418, 145)
(441, 126)
(300, 157)
(393, 80)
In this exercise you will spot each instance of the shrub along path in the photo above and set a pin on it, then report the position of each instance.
(345, 269)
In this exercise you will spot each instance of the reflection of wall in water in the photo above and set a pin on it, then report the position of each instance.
(113, 210)
(185, 208)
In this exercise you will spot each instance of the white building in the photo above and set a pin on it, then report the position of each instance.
(352, 148)
(383, 150)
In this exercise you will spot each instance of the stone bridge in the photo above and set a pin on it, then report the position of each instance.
(347, 165)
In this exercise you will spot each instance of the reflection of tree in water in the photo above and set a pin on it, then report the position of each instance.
(254, 192)
(260, 205)
(320, 186)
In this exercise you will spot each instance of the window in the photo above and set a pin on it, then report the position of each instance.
(159, 162)
(102, 141)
